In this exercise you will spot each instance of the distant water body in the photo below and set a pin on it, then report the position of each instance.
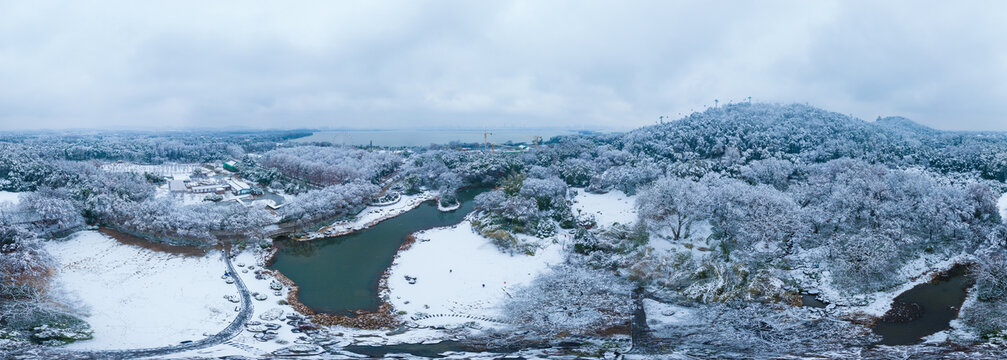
(427, 137)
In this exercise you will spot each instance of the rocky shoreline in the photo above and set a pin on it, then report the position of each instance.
(383, 318)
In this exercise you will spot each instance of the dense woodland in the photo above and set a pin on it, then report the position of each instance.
(775, 192)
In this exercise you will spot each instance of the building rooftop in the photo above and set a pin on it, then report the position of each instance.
(176, 185)
(237, 184)
(212, 186)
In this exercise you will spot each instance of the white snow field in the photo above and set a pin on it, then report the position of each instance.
(9, 197)
(668, 314)
(607, 209)
(450, 266)
(138, 298)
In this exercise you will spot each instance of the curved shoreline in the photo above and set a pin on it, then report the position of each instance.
(381, 318)
(349, 227)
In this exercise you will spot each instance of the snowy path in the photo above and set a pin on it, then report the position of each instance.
(232, 330)
(642, 338)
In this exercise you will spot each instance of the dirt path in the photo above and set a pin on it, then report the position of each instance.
(640, 331)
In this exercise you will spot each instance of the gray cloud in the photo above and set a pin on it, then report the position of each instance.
(475, 64)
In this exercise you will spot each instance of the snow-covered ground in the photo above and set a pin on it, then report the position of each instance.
(9, 197)
(695, 244)
(607, 209)
(459, 272)
(186, 198)
(177, 171)
(137, 298)
(1002, 204)
(617, 207)
(370, 216)
(246, 263)
(662, 314)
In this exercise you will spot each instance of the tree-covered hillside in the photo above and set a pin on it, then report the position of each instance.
(747, 132)
(739, 209)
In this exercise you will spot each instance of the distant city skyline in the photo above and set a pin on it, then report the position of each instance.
(472, 65)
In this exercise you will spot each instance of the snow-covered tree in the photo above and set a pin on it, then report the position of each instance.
(864, 261)
(572, 299)
(773, 172)
(328, 165)
(673, 204)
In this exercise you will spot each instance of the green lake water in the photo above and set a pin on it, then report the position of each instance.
(340, 274)
(939, 301)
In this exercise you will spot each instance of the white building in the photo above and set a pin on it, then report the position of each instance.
(176, 185)
(212, 188)
(239, 187)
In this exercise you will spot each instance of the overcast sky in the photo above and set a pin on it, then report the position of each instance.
(474, 64)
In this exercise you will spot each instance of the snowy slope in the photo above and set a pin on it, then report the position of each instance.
(451, 265)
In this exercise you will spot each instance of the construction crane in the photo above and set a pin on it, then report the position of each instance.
(486, 141)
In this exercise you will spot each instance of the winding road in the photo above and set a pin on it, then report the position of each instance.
(232, 330)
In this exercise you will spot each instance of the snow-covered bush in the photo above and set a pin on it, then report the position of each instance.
(576, 171)
(24, 260)
(988, 314)
(529, 205)
(547, 192)
(986, 317)
(865, 261)
(626, 178)
(991, 278)
(25, 307)
(572, 299)
(747, 330)
(329, 202)
(490, 199)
